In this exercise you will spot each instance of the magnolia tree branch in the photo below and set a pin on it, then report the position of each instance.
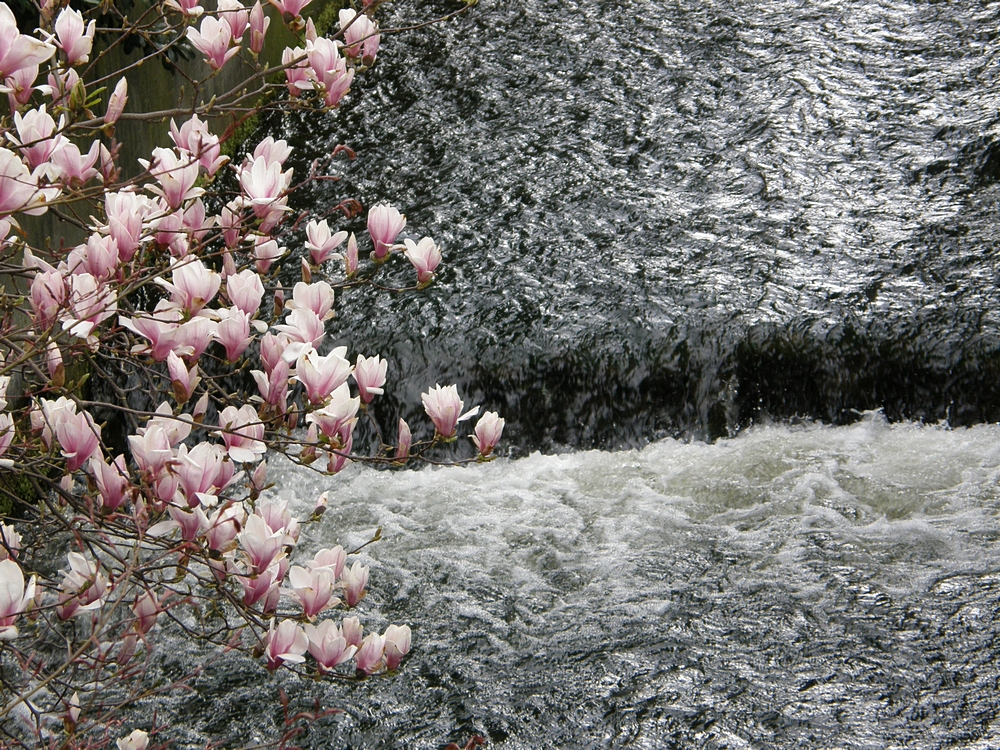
(147, 373)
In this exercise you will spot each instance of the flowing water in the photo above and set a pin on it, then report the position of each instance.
(665, 223)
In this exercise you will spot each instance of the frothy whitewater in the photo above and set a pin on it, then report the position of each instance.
(810, 586)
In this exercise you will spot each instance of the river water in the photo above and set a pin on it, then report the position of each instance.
(731, 268)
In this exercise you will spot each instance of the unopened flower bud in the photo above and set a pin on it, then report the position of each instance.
(116, 103)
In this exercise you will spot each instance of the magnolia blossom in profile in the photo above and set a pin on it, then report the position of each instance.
(112, 481)
(258, 28)
(245, 290)
(403, 441)
(397, 645)
(384, 225)
(19, 191)
(79, 438)
(242, 433)
(74, 40)
(146, 609)
(369, 373)
(355, 579)
(286, 643)
(116, 102)
(361, 35)
(192, 284)
(235, 14)
(82, 589)
(14, 597)
(444, 407)
(425, 257)
(369, 656)
(488, 430)
(321, 376)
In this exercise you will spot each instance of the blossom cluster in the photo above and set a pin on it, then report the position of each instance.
(179, 282)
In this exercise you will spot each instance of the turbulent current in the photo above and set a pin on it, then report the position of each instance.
(771, 225)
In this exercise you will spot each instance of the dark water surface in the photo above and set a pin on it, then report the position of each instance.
(679, 218)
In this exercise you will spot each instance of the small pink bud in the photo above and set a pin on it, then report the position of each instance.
(403, 444)
(351, 256)
(116, 102)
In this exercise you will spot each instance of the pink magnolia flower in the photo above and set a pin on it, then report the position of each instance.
(235, 14)
(317, 297)
(17, 50)
(352, 630)
(37, 136)
(337, 459)
(360, 35)
(297, 71)
(258, 28)
(146, 609)
(303, 329)
(48, 295)
(231, 222)
(223, 527)
(333, 560)
(313, 589)
(243, 433)
(116, 102)
(337, 418)
(245, 291)
(159, 327)
(71, 166)
(14, 597)
(137, 740)
(82, 589)
(369, 373)
(91, 302)
(126, 212)
(19, 189)
(291, 8)
(112, 481)
(190, 8)
(351, 256)
(266, 252)
(21, 87)
(271, 151)
(193, 337)
(369, 657)
(320, 376)
(384, 225)
(169, 229)
(443, 406)
(355, 579)
(79, 438)
(489, 428)
(213, 40)
(175, 174)
(262, 588)
(425, 257)
(397, 645)
(182, 380)
(271, 350)
(233, 332)
(151, 450)
(74, 40)
(287, 643)
(195, 138)
(328, 645)
(263, 182)
(197, 471)
(321, 243)
(404, 441)
(273, 386)
(99, 257)
(329, 69)
(54, 363)
(192, 285)
(261, 544)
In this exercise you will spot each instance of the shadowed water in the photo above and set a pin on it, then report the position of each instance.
(679, 218)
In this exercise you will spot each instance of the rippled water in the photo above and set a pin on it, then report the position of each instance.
(663, 220)
(680, 218)
(811, 586)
